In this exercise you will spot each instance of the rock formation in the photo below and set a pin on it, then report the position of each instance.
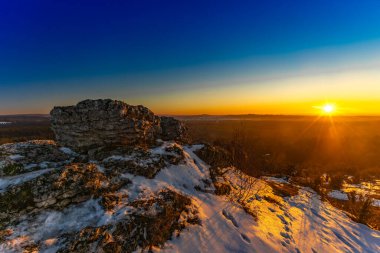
(105, 122)
(172, 129)
(45, 182)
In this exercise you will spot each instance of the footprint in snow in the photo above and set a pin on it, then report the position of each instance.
(230, 217)
(289, 216)
(317, 214)
(285, 235)
(325, 231)
(245, 238)
(325, 240)
(342, 238)
(282, 219)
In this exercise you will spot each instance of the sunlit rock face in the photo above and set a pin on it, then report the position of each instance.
(97, 123)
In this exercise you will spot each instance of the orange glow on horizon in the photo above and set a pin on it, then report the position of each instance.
(355, 92)
(341, 108)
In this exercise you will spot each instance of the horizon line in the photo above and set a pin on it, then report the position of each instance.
(218, 115)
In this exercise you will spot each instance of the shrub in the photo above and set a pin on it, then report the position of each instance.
(336, 182)
(360, 206)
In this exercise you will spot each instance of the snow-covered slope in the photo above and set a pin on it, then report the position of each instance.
(300, 223)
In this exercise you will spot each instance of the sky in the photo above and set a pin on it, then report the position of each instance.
(192, 57)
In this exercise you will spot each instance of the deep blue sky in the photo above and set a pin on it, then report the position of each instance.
(60, 51)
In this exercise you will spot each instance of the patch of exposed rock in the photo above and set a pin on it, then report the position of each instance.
(109, 212)
(218, 158)
(66, 182)
(57, 189)
(139, 161)
(215, 156)
(23, 157)
(105, 122)
(150, 223)
(172, 129)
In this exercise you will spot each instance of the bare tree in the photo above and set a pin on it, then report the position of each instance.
(239, 149)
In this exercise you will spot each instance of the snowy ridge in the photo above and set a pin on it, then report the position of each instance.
(300, 223)
(288, 228)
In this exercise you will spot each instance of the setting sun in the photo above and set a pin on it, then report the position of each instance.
(328, 108)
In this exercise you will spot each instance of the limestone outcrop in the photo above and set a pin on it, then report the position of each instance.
(105, 122)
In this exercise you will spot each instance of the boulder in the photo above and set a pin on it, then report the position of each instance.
(104, 122)
(172, 129)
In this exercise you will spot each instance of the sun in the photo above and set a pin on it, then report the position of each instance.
(328, 108)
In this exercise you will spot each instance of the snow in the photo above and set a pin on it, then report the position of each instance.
(338, 195)
(365, 188)
(19, 179)
(276, 180)
(182, 177)
(343, 196)
(68, 151)
(118, 158)
(141, 161)
(50, 224)
(301, 223)
(226, 227)
(16, 157)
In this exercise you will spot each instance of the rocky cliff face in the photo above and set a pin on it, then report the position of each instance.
(105, 122)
